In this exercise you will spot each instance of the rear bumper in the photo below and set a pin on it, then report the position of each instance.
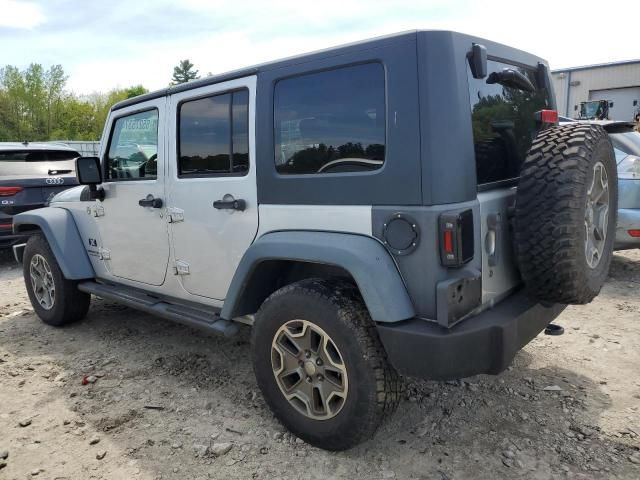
(628, 219)
(485, 343)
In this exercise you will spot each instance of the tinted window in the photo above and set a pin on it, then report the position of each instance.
(214, 135)
(37, 155)
(504, 124)
(133, 148)
(330, 122)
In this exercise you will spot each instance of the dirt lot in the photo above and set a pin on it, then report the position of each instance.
(165, 396)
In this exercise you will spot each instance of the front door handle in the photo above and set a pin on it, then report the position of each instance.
(150, 201)
(231, 204)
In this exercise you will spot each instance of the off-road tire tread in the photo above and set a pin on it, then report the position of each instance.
(550, 205)
(353, 312)
(73, 305)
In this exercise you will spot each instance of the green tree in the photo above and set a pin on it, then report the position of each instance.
(34, 105)
(184, 72)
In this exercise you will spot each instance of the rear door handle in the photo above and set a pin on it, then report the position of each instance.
(150, 201)
(232, 204)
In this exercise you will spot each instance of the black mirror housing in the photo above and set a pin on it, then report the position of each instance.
(88, 172)
(478, 60)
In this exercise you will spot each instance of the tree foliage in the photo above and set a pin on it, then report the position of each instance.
(183, 72)
(34, 105)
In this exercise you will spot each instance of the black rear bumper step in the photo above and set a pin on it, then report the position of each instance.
(193, 317)
(485, 343)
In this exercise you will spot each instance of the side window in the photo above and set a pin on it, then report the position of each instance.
(331, 121)
(133, 147)
(214, 135)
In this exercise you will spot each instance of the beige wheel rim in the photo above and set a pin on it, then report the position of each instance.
(309, 369)
(42, 282)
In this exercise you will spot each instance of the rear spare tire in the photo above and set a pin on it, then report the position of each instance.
(566, 212)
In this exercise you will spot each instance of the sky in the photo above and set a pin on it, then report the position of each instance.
(119, 43)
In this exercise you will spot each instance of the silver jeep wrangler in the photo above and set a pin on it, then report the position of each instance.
(406, 205)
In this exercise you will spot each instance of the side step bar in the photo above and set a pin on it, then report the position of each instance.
(192, 317)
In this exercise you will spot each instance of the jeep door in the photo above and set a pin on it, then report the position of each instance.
(133, 230)
(212, 201)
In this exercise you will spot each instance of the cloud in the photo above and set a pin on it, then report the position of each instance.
(20, 15)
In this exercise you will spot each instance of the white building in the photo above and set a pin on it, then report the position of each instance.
(617, 82)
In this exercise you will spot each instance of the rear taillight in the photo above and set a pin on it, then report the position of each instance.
(456, 238)
(634, 233)
(9, 191)
(5, 226)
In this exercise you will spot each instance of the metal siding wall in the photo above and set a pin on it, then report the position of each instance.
(614, 76)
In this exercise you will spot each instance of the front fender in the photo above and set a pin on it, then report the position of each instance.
(370, 265)
(59, 228)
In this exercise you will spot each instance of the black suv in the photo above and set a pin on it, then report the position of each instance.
(30, 174)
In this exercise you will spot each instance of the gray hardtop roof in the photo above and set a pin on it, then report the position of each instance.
(515, 54)
(5, 146)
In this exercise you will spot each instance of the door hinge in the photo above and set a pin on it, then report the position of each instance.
(96, 210)
(181, 268)
(104, 253)
(175, 215)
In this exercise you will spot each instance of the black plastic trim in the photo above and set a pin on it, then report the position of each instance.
(486, 343)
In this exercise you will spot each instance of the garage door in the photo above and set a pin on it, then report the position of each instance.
(623, 101)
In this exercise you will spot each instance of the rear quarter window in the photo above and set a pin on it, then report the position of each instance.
(503, 120)
(331, 121)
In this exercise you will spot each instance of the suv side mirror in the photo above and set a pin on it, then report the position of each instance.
(88, 172)
(478, 60)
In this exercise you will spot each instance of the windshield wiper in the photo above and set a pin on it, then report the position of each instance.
(512, 79)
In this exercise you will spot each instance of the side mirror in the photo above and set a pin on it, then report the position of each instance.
(88, 172)
(478, 60)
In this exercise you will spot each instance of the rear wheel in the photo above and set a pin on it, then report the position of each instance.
(56, 300)
(566, 212)
(320, 364)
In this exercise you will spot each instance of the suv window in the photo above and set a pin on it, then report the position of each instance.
(503, 121)
(37, 155)
(331, 121)
(133, 147)
(214, 135)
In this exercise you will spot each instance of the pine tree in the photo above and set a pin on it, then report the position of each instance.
(183, 73)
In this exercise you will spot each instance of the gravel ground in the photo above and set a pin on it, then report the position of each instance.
(167, 402)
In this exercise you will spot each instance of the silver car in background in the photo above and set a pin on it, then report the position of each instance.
(627, 149)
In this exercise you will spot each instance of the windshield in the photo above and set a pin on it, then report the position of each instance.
(628, 142)
(590, 110)
(37, 155)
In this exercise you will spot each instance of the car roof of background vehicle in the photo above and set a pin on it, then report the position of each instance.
(316, 55)
(612, 126)
(5, 146)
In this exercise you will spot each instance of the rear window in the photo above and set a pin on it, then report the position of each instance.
(503, 119)
(37, 155)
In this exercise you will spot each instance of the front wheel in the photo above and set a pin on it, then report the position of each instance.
(320, 364)
(56, 300)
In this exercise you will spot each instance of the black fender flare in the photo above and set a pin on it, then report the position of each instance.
(364, 258)
(59, 228)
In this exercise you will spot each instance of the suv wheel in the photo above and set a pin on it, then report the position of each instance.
(566, 210)
(56, 300)
(320, 364)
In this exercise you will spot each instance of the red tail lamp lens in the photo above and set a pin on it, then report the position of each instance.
(9, 191)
